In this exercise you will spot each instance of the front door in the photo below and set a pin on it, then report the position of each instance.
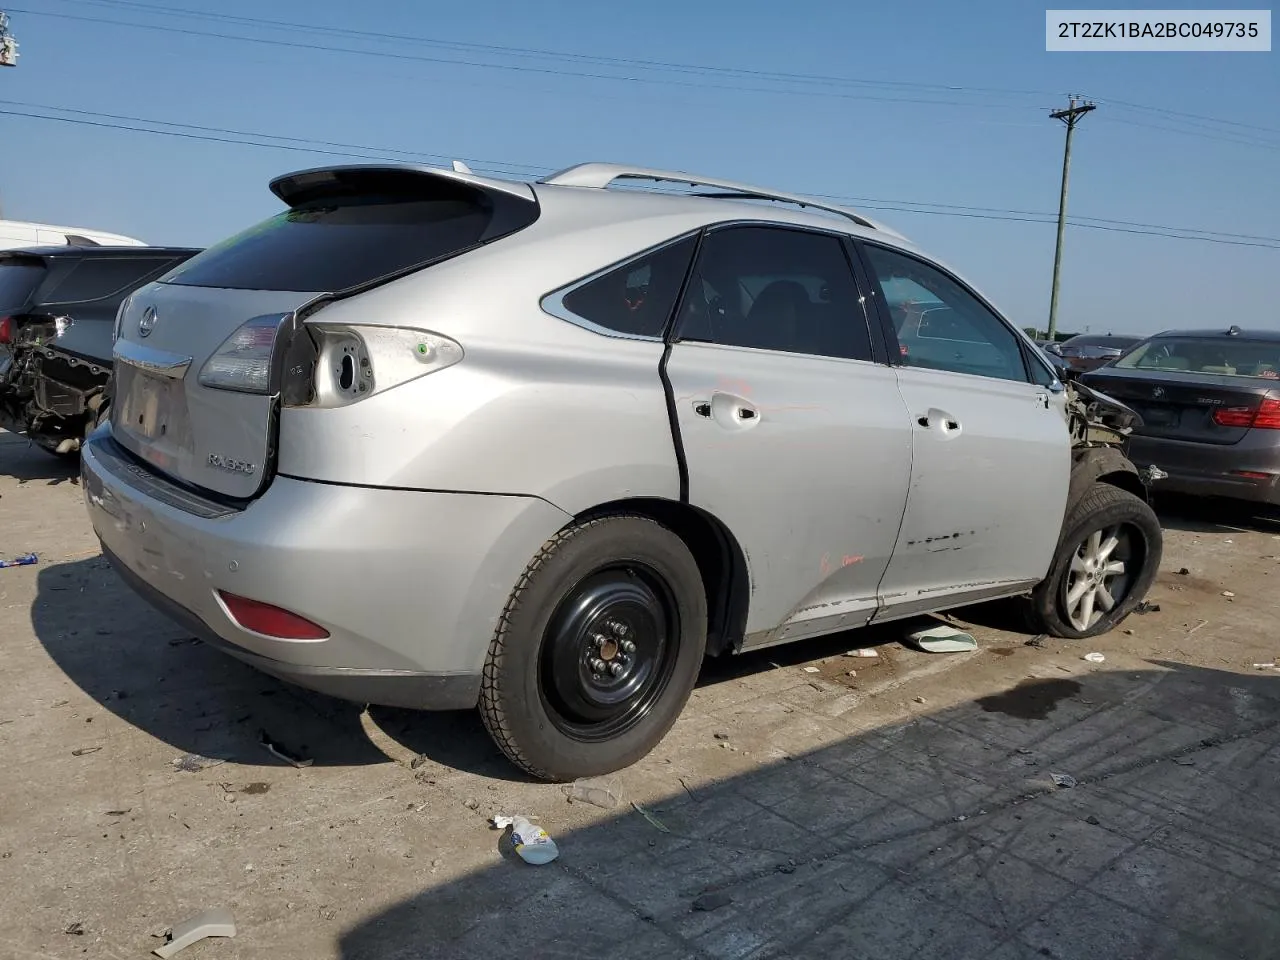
(793, 432)
(991, 451)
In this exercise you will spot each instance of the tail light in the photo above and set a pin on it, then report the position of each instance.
(6, 329)
(243, 362)
(270, 621)
(1266, 417)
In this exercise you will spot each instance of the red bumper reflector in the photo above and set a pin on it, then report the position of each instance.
(6, 329)
(271, 621)
(1253, 475)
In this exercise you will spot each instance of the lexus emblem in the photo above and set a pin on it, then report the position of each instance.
(1158, 392)
(147, 323)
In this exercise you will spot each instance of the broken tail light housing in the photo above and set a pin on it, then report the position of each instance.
(270, 621)
(353, 361)
(1265, 417)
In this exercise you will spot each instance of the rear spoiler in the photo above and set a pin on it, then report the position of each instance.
(303, 185)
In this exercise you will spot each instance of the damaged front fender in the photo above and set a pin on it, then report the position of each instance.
(1097, 419)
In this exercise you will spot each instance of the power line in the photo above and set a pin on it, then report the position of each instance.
(1112, 101)
(298, 144)
(557, 54)
(523, 68)
(1215, 135)
(697, 69)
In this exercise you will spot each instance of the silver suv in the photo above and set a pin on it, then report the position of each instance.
(435, 440)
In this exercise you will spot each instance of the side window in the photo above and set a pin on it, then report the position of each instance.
(776, 289)
(940, 325)
(97, 279)
(636, 298)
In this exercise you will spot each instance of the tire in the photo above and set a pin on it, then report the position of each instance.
(1103, 512)
(620, 593)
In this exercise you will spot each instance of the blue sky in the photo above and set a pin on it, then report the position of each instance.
(972, 147)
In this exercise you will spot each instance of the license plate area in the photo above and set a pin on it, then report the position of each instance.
(150, 416)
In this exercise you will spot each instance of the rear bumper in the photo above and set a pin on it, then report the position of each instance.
(1210, 470)
(410, 585)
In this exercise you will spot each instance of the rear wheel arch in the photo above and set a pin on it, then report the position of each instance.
(720, 558)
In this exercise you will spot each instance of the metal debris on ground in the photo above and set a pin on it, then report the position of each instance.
(532, 844)
(1036, 641)
(23, 561)
(941, 639)
(194, 763)
(1094, 658)
(84, 751)
(653, 821)
(217, 922)
(1146, 606)
(1064, 780)
(599, 792)
(75, 930)
(1228, 594)
(867, 652)
(281, 753)
(712, 901)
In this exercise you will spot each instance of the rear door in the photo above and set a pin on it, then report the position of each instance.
(792, 429)
(990, 447)
(199, 354)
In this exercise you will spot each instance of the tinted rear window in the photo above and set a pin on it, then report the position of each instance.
(17, 282)
(100, 278)
(333, 244)
(1234, 357)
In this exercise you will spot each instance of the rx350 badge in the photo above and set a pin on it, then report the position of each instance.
(231, 465)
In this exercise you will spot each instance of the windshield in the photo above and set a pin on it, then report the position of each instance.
(1232, 358)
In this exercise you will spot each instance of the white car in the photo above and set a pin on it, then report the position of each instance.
(15, 234)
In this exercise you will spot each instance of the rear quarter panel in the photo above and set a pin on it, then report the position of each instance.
(537, 406)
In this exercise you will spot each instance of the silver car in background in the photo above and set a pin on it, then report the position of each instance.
(435, 440)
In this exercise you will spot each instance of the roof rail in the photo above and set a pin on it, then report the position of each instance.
(601, 175)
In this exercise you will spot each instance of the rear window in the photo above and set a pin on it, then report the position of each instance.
(1234, 358)
(97, 278)
(331, 244)
(18, 280)
(638, 297)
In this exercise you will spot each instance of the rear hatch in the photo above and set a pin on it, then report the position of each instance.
(1198, 407)
(200, 357)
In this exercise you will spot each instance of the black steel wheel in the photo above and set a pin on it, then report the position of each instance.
(597, 650)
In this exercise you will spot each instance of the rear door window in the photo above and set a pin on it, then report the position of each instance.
(773, 288)
(18, 280)
(633, 299)
(332, 243)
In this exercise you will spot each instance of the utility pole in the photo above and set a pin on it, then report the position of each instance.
(8, 45)
(1070, 116)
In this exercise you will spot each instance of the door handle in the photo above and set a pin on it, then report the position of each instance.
(944, 422)
(727, 410)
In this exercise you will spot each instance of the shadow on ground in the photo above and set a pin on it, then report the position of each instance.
(945, 837)
(151, 673)
(1213, 515)
(27, 463)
